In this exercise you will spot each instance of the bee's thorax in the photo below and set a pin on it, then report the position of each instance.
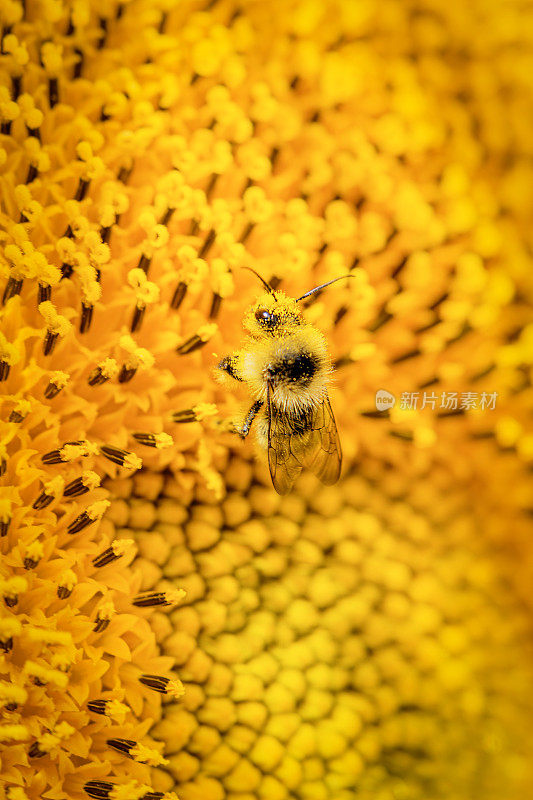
(297, 369)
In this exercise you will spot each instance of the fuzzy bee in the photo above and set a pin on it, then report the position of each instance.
(286, 365)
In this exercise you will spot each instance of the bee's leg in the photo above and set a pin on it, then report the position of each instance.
(245, 430)
(229, 365)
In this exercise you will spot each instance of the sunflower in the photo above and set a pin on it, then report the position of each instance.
(171, 626)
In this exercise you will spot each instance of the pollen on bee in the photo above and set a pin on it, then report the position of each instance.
(286, 366)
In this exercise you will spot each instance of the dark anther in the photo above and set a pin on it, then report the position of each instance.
(123, 174)
(97, 706)
(457, 412)
(75, 488)
(81, 522)
(216, 302)
(81, 191)
(153, 599)
(86, 317)
(16, 86)
(49, 342)
(13, 287)
(52, 390)
(137, 318)
(184, 416)
(122, 745)
(396, 271)
(189, 346)
(429, 382)
(32, 173)
(99, 790)
(375, 414)
(35, 752)
(144, 263)
(156, 682)
(54, 456)
(42, 501)
(382, 319)
(44, 293)
(405, 356)
(66, 271)
(114, 454)
(407, 436)
(78, 66)
(341, 313)
(246, 232)
(96, 378)
(105, 557)
(341, 362)
(209, 239)
(235, 16)
(162, 23)
(439, 300)
(428, 327)
(53, 92)
(211, 185)
(126, 374)
(148, 439)
(103, 26)
(179, 295)
(167, 216)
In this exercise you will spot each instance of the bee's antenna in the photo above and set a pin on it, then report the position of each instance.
(318, 288)
(265, 284)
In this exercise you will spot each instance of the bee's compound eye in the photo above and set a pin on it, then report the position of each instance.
(262, 315)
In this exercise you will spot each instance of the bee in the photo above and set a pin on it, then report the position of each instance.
(286, 366)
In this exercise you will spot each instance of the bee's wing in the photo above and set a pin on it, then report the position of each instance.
(318, 447)
(284, 464)
(323, 454)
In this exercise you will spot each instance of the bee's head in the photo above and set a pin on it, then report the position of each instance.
(276, 314)
(273, 313)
